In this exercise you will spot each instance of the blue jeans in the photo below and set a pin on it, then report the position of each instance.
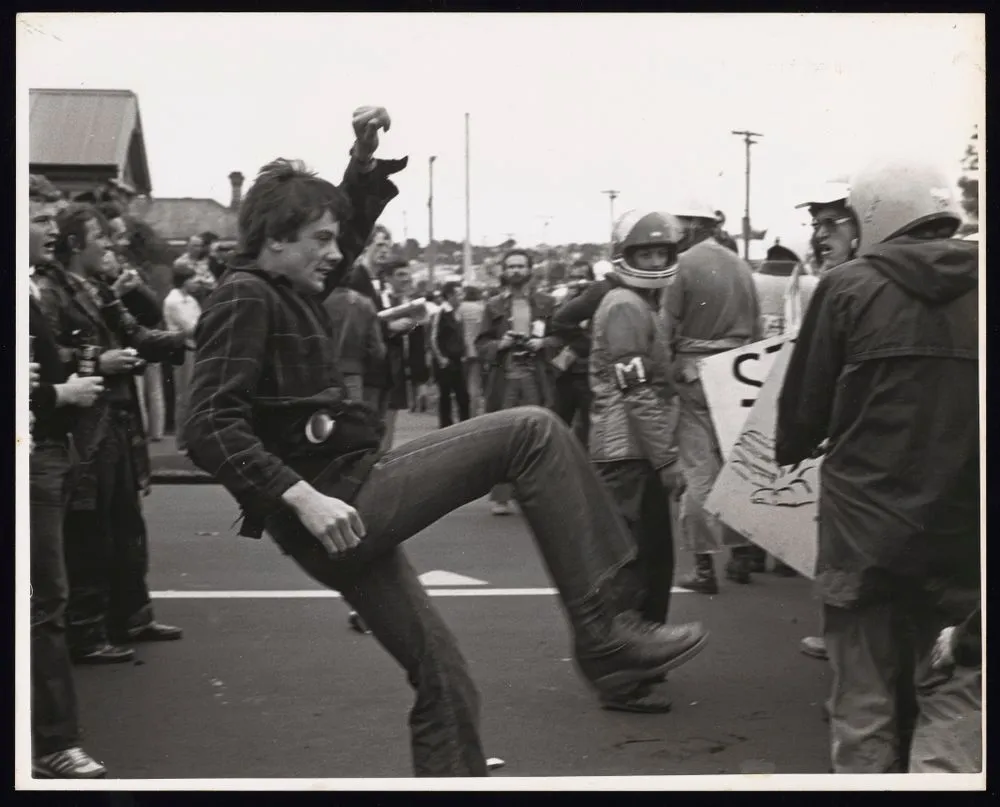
(583, 541)
(53, 696)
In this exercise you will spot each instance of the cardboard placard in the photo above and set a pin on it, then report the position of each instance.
(732, 381)
(773, 506)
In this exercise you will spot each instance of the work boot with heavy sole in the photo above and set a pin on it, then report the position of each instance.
(643, 652)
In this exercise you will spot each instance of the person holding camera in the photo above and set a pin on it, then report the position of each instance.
(106, 546)
(513, 346)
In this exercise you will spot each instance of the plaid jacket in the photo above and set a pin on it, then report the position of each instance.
(262, 346)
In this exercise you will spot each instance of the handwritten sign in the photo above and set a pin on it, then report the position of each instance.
(732, 382)
(773, 506)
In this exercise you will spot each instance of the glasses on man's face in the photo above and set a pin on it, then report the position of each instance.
(829, 224)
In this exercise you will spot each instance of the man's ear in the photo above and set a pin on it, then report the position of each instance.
(275, 246)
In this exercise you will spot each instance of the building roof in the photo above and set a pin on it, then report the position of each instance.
(179, 219)
(103, 123)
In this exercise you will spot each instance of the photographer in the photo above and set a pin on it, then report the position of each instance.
(513, 346)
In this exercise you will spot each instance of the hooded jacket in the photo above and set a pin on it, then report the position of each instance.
(885, 368)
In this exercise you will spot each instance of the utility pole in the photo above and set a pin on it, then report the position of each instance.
(747, 139)
(548, 247)
(612, 195)
(430, 224)
(467, 252)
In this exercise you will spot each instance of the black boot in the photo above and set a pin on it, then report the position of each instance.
(757, 559)
(702, 580)
(739, 566)
(635, 651)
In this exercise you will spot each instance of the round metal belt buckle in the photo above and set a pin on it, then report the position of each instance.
(320, 427)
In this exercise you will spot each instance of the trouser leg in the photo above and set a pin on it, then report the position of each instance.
(388, 596)
(868, 655)
(54, 718)
(131, 608)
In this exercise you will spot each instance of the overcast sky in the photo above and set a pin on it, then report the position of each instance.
(562, 106)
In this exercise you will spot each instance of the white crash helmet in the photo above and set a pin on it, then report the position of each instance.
(639, 228)
(892, 195)
(693, 208)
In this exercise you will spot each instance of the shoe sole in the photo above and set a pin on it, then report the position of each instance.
(40, 774)
(819, 656)
(98, 661)
(623, 678)
(622, 706)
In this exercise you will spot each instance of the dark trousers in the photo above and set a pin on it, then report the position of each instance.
(107, 551)
(451, 382)
(53, 696)
(572, 401)
(645, 505)
(582, 539)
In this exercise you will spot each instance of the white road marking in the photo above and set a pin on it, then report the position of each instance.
(320, 594)
(442, 578)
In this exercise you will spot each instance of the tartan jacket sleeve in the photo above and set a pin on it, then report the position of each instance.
(231, 343)
(369, 189)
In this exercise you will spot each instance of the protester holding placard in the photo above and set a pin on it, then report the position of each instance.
(885, 374)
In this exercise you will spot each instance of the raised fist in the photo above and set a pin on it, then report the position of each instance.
(367, 120)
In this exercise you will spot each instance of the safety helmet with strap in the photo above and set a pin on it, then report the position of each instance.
(638, 229)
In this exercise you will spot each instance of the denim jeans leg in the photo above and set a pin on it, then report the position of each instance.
(130, 606)
(53, 696)
(388, 595)
(582, 538)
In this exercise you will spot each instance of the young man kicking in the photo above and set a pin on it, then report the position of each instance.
(271, 421)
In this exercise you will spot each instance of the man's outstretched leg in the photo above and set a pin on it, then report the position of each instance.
(585, 544)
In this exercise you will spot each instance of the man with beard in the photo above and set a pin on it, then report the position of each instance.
(270, 422)
(572, 388)
(106, 542)
(712, 306)
(884, 380)
(635, 413)
(513, 346)
(56, 753)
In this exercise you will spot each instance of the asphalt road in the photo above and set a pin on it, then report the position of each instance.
(269, 682)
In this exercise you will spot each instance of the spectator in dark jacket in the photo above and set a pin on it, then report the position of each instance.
(448, 347)
(884, 376)
(572, 388)
(357, 337)
(56, 753)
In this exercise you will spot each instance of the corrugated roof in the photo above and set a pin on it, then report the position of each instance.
(101, 123)
(179, 219)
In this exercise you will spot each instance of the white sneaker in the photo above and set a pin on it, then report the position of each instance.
(502, 509)
(814, 647)
(73, 763)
